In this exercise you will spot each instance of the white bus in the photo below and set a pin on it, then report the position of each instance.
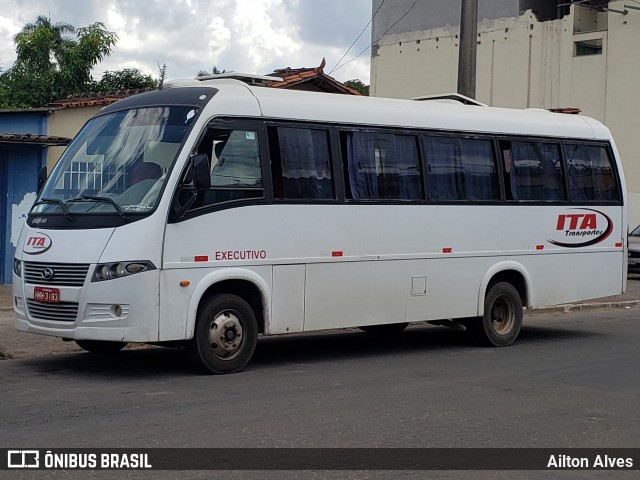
(214, 212)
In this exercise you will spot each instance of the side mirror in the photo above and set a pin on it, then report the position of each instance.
(42, 178)
(201, 172)
(196, 178)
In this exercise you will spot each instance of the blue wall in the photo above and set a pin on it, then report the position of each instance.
(23, 121)
(19, 167)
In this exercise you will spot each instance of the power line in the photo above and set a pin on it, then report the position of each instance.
(358, 37)
(385, 32)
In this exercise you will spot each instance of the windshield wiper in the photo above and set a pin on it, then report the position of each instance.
(93, 198)
(55, 201)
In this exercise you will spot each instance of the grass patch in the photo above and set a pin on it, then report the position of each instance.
(4, 355)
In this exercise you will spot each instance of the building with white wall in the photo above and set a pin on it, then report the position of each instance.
(531, 54)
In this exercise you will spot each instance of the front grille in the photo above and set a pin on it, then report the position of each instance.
(64, 274)
(58, 312)
(634, 254)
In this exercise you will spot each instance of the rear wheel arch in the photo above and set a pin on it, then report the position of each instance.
(508, 272)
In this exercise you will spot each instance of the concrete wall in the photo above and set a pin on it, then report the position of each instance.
(431, 14)
(523, 62)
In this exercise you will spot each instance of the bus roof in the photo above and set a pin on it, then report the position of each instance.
(237, 98)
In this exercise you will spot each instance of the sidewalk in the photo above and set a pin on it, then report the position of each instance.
(631, 298)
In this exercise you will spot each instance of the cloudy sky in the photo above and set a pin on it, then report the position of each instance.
(249, 36)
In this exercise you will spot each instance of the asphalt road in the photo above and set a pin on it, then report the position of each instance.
(572, 380)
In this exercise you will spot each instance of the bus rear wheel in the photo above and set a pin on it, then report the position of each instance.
(100, 346)
(225, 336)
(502, 319)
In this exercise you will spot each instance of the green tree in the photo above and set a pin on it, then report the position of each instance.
(21, 87)
(359, 86)
(40, 43)
(78, 58)
(125, 79)
(50, 65)
(162, 75)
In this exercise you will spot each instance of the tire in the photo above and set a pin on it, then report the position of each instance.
(225, 336)
(100, 346)
(388, 329)
(502, 319)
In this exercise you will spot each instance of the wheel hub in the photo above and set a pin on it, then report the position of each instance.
(226, 334)
(502, 317)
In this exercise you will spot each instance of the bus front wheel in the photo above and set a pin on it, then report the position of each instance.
(225, 336)
(99, 346)
(502, 319)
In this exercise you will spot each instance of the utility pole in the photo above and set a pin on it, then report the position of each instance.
(468, 48)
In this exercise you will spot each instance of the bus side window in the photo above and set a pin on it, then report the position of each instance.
(591, 174)
(381, 166)
(236, 171)
(461, 169)
(301, 163)
(533, 171)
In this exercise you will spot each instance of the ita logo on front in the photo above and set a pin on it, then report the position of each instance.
(581, 227)
(37, 243)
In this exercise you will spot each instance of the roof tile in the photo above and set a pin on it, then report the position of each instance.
(33, 139)
(292, 77)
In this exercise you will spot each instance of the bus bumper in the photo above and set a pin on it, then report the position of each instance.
(123, 309)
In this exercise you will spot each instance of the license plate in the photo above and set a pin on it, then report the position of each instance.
(46, 294)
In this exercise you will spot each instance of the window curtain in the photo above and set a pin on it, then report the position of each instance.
(604, 180)
(461, 169)
(444, 168)
(306, 163)
(524, 166)
(538, 171)
(591, 175)
(480, 179)
(406, 177)
(361, 157)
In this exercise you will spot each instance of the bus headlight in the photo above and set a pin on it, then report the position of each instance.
(17, 267)
(120, 270)
(103, 272)
(109, 271)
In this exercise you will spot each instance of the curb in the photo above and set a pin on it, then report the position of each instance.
(578, 307)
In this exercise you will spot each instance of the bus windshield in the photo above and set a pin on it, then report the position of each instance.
(118, 163)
